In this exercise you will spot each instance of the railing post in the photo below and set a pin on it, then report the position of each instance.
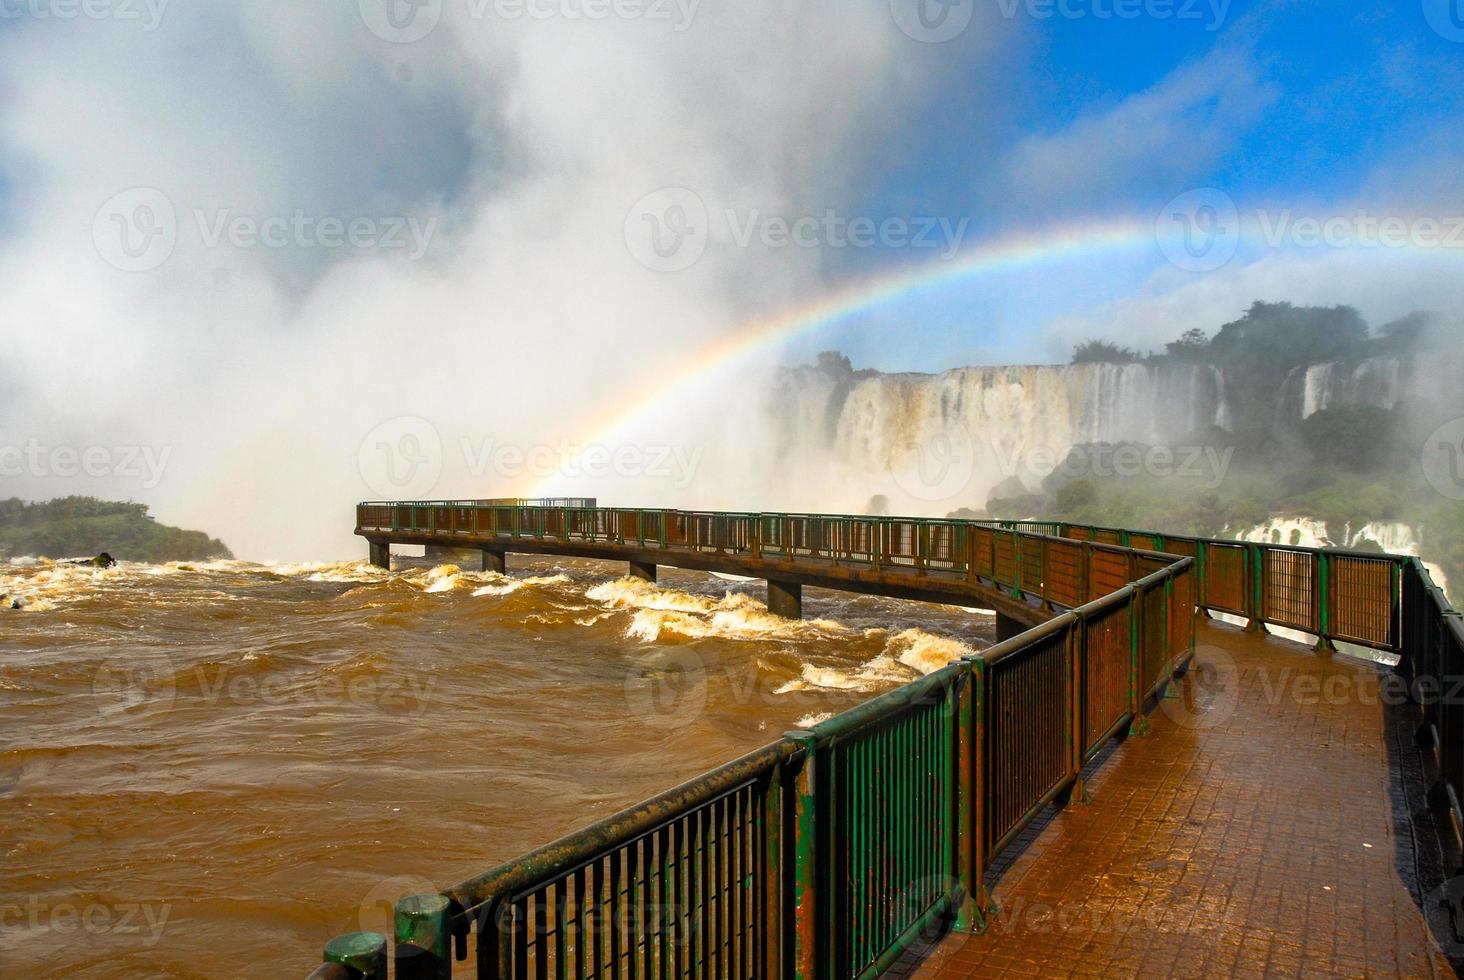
(805, 959)
(1044, 548)
(1191, 612)
(1324, 600)
(1085, 574)
(1169, 654)
(1257, 603)
(1202, 582)
(1017, 562)
(1077, 648)
(1139, 723)
(973, 914)
(1395, 591)
(772, 884)
(986, 909)
(354, 956)
(423, 927)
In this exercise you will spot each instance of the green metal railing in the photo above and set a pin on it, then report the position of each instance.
(1334, 594)
(829, 852)
(1433, 641)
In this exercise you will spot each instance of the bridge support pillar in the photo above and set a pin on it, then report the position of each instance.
(495, 561)
(645, 571)
(380, 554)
(785, 599)
(1006, 627)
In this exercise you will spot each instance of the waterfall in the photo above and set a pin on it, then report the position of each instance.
(934, 443)
(1378, 381)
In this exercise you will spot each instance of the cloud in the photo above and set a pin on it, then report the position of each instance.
(1382, 286)
(522, 144)
(1416, 184)
(1162, 137)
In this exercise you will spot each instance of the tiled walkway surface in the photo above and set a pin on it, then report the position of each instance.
(1251, 834)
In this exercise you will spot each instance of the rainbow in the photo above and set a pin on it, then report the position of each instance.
(998, 256)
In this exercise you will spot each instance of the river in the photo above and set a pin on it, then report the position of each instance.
(209, 769)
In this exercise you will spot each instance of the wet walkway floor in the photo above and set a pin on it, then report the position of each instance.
(1264, 828)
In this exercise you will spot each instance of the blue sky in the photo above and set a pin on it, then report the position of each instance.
(1019, 125)
(1290, 104)
(545, 155)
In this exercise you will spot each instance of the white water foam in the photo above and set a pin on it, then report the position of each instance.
(657, 612)
(905, 656)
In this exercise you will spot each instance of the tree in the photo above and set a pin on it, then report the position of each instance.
(1103, 352)
(833, 363)
(1404, 333)
(1280, 336)
(1259, 350)
(1354, 437)
(1193, 345)
(1075, 494)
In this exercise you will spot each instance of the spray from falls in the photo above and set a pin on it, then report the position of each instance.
(930, 444)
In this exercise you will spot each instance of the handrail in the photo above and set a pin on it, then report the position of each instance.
(825, 853)
(618, 829)
(1322, 591)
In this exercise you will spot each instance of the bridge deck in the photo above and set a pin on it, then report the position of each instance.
(1263, 829)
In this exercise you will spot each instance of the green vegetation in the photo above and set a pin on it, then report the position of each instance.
(73, 527)
(1103, 352)
(1256, 352)
(1343, 484)
(1273, 338)
(1344, 465)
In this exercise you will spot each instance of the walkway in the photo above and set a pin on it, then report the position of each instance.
(1252, 834)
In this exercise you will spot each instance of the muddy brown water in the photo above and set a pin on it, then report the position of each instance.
(208, 770)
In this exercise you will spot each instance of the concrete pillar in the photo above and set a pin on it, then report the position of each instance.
(785, 599)
(645, 571)
(380, 554)
(1006, 627)
(495, 561)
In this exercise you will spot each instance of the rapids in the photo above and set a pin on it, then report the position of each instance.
(211, 768)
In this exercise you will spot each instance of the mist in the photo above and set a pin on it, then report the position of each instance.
(258, 263)
(495, 301)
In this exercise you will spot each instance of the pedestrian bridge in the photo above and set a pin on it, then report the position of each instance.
(1287, 809)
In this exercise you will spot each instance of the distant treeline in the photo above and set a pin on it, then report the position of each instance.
(1258, 352)
(72, 527)
(1274, 338)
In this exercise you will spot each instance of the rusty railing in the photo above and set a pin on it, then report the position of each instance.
(830, 851)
